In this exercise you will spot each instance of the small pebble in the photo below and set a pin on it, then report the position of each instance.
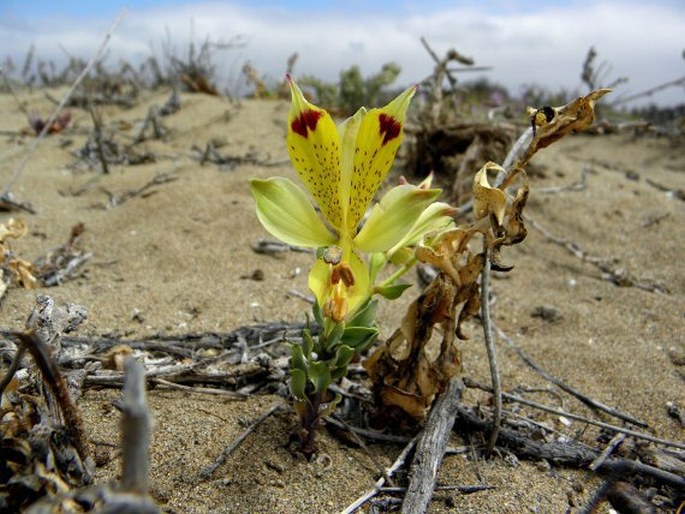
(547, 313)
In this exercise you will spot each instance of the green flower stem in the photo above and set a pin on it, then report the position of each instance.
(401, 271)
(309, 423)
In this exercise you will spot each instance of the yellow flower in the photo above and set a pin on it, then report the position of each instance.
(342, 168)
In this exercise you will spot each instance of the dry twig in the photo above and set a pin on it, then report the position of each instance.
(577, 417)
(617, 276)
(490, 348)
(208, 470)
(378, 486)
(594, 404)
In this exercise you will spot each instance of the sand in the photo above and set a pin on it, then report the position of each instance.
(173, 261)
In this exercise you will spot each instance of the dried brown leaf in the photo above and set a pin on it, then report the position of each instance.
(416, 362)
(15, 228)
(552, 123)
(487, 199)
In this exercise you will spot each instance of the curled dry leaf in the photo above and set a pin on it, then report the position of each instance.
(15, 228)
(488, 200)
(23, 272)
(415, 364)
(513, 231)
(20, 270)
(552, 123)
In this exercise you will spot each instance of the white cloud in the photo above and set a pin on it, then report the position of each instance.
(642, 42)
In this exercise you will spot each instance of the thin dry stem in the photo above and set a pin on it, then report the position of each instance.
(34, 145)
(492, 353)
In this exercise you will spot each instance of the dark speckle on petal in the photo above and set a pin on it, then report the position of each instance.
(389, 127)
(306, 120)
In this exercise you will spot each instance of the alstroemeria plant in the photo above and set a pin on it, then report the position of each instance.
(342, 168)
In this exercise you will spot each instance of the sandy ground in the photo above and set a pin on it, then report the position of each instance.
(173, 261)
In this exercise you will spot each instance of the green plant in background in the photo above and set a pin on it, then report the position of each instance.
(342, 168)
(353, 90)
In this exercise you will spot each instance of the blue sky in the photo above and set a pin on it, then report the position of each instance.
(88, 8)
(542, 42)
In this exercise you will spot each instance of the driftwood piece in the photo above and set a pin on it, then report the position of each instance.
(430, 449)
(44, 327)
(135, 429)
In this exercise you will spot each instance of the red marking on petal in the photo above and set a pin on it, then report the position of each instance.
(306, 120)
(390, 127)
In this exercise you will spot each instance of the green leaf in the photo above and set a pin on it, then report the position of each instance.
(297, 360)
(341, 360)
(338, 373)
(318, 315)
(330, 406)
(334, 337)
(343, 356)
(307, 343)
(437, 216)
(392, 292)
(298, 382)
(287, 213)
(319, 376)
(376, 262)
(360, 338)
(366, 316)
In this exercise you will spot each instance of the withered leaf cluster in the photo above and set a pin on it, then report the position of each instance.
(415, 364)
(37, 456)
(419, 359)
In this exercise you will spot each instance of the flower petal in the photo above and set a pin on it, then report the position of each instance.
(437, 216)
(393, 217)
(287, 213)
(378, 138)
(314, 148)
(318, 281)
(320, 284)
(348, 131)
(362, 289)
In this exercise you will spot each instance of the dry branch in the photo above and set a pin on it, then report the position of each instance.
(492, 354)
(594, 404)
(430, 448)
(569, 415)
